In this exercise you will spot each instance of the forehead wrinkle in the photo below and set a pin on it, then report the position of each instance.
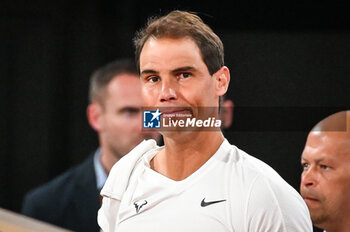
(148, 71)
(319, 159)
(324, 153)
(183, 56)
(312, 154)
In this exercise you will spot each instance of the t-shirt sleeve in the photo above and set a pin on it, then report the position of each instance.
(275, 207)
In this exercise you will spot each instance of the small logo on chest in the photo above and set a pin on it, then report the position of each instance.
(138, 205)
(207, 203)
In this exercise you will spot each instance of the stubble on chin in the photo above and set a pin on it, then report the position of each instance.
(318, 216)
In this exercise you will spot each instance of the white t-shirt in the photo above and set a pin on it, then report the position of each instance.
(232, 191)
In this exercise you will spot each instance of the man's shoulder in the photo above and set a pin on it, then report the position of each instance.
(60, 184)
(233, 155)
(246, 168)
(266, 192)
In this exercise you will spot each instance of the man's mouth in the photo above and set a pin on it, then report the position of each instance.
(311, 200)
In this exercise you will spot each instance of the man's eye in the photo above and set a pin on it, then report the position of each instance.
(130, 111)
(305, 165)
(153, 79)
(324, 167)
(185, 75)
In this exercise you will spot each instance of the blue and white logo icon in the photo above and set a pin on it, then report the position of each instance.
(151, 119)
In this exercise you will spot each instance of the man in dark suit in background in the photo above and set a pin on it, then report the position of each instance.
(71, 200)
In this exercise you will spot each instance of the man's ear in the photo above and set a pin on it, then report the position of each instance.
(222, 79)
(94, 113)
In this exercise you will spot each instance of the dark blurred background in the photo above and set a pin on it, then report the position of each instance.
(289, 64)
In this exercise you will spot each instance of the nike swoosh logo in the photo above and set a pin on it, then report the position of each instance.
(206, 203)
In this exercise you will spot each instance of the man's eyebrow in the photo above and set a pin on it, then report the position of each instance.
(148, 71)
(319, 160)
(129, 108)
(303, 159)
(316, 160)
(181, 69)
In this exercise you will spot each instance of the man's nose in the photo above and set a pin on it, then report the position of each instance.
(168, 91)
(309, 177)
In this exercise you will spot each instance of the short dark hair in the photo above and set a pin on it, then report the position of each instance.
(180, 24)
(101, 77)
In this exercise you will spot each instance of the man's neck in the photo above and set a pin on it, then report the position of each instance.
(107, 159)
(339, 224)
(183, 155)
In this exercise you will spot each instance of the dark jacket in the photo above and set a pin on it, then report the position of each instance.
(71, 200)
